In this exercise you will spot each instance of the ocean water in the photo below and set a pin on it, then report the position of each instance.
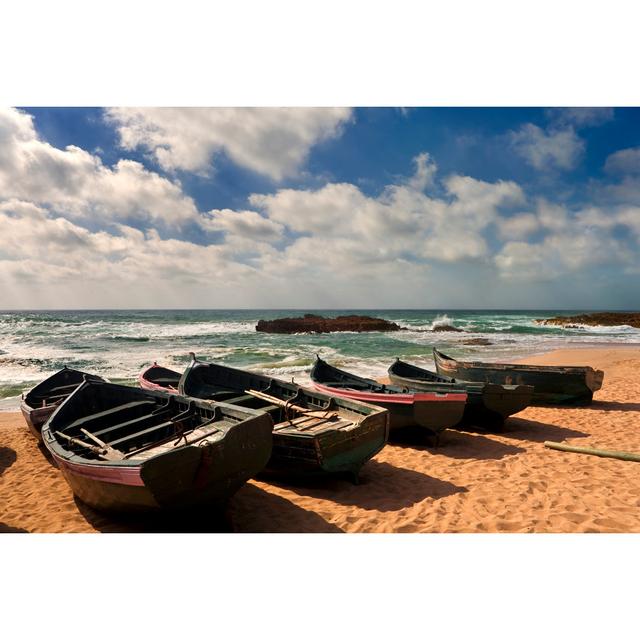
(119, 344)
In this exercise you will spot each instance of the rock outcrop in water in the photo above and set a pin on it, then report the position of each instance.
(447, 327)
(605, 319)
(310, 323)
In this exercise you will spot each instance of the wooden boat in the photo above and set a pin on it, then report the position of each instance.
(488, 404)
(552, 385)
(433, 410)
(127, 449)
(39, 403)
(157, 378)
(313, 433)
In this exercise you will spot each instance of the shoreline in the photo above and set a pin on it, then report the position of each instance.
(11, 404)
(473, 482)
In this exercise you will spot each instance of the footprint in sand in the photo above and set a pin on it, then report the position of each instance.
(509, 525)
(608, 522)
(576, 518)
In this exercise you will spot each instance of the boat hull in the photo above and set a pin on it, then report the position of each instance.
(333, 452)
(432, 411)
(35, 418)
(39, 404)
(192, 476)
(156, 378)
(488, 405)
(323, 449)
(573, 386)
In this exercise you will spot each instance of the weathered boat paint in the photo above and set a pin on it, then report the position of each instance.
(435, 411)
(553, 385)
(157, 378)
(342, 447)
(182, 452)
(487, 404)
(41, 401)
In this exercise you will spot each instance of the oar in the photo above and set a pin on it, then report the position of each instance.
(603, 453)
(106, 452)
(283, 403)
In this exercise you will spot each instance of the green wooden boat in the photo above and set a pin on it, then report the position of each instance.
(41, 401)
(552, 385)
(313, 433)
(432, 411)
(488, 404)
(127, 449)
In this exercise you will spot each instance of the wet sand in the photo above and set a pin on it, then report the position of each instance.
(473, 482)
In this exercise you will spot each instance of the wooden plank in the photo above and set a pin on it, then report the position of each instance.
(287, 404)
(602, 453)
(107, 452)
(306, 423)
(66, 386)
(146, 416)
(102, 414)
(202, 432)
(146, 431)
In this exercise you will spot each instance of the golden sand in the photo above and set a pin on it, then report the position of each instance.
(472, 483)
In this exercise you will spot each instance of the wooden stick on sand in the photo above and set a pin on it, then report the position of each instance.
(603, 453)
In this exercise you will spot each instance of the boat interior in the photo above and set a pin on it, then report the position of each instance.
(56, 389)
(112, 424)
(291, 406)
(329, 376)
(162, 376)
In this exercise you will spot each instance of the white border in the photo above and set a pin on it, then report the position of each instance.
(319, 53)
(334, 52)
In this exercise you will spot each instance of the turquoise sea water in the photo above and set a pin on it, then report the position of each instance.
(118, 344)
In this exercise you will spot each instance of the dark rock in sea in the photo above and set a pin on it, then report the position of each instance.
(482, 341)
(605, 319)
(311, 323)
(446, 327)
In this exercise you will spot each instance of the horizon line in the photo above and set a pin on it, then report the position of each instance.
(583, 309)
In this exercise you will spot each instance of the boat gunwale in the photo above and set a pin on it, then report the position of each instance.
(469, 386)
(59, 451)
(442, 359)
(149, 385)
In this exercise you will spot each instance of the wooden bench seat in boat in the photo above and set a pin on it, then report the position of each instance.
(313, 425)
(143, 432)
(205, 431)
(82, 422)
(248, 398)
(128, 423)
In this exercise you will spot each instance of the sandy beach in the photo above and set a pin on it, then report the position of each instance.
(473, 482)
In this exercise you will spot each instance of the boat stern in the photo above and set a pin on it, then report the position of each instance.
(594, 379)
(438, 411)
(505, 400)
(213, 469)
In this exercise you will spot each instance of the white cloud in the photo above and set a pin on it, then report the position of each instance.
(572, 243)
(580, 117)
(519, 226)
(624, 161)
(70, 265)
(551, 215)
(425, 171)
(74, 232)
(556, 148)
(245, 224)
(74, 182)
(271, 141)
(401, 223)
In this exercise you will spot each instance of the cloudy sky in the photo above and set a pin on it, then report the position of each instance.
(320, 208)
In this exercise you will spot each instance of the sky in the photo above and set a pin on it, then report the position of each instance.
(435, 208)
